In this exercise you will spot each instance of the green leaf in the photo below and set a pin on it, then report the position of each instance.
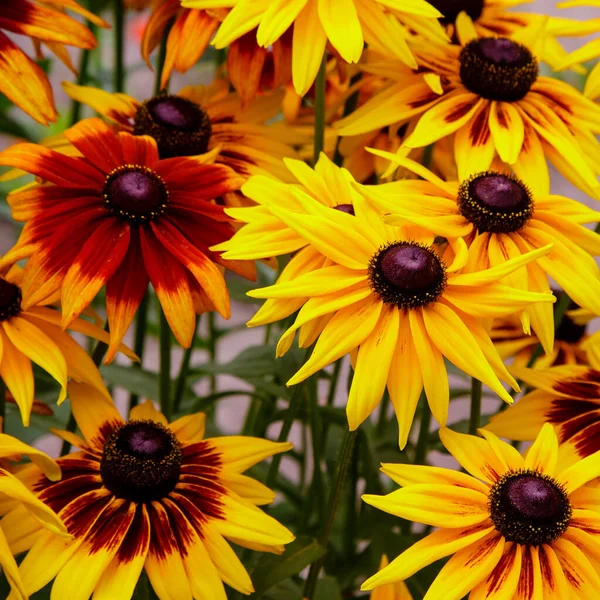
(272, 570)
(328, 589)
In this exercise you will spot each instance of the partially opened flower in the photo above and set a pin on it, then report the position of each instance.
(514, 527)
(499, 19)
(382, 24)
(199, 119)
(24, 506)
(488, 94)
(392, 591)
(501, 216)
(188, 36)
(387, 296)
(573, 344)
(119, 216)
(34, 335)
(568, 397)
(22, 81)
(144, 494)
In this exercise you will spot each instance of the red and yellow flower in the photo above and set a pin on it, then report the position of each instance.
(122, 217)
(24, 505)
(22, 81)
(34, 335)
(514, 527)
(144, 494)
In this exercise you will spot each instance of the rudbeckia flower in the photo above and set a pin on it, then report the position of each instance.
(499, 217)
(489, 95)
(514, 527)
(199, 119)
(573, 345)
(22, 81)
(347, 25)
(188, 38)
(566, 396)
(25, 506)
(589, 51)
(34, 335)
(498, 19)
(384, 295)
(119, 216)
(144, 494)
(393, 591)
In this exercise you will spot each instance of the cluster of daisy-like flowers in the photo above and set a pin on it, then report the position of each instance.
(391, 159)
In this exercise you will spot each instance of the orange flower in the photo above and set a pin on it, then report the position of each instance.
(119, 216)
(21, 80)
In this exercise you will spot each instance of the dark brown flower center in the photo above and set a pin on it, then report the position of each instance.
(179, 126)
(407, 274)
(495, 202)
(135, 193)
(528, 507)
(10, 300)
(345, 208)
(141, 461)
(451, 9)
(498, 69)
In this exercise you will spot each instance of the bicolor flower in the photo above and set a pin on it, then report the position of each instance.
(22, 81)
(120, 216)
(514, 527)
(144, 494)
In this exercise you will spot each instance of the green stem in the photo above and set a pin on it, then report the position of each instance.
(320, 108)
(421, 451)
(183, 373)
(475, 417)
(286, 427)
(139, 339)
(349, 107)
(382, 419)
(160, 60)
(317, 436)
(345, 457)
(119, 72)
(164, 392)
(82, 75)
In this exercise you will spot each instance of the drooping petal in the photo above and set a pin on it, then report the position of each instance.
(17, 373)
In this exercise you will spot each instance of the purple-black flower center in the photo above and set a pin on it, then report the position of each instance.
(451, 9)
(141, 461)
(135, 193)
(10, 300)
(529, 507)
(179, 126)
(498, 69)
(407, 274)
(345, 208)
(495, 202)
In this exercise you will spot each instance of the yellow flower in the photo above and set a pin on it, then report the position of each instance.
(568, 397)
(346, 24)
(497, 18)
(393, 591)
(146, 494)
(501, 216)
(589, 51)
(24, 506)
(383, 293)
(516, 527)
(488, 94)
(34, 335)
